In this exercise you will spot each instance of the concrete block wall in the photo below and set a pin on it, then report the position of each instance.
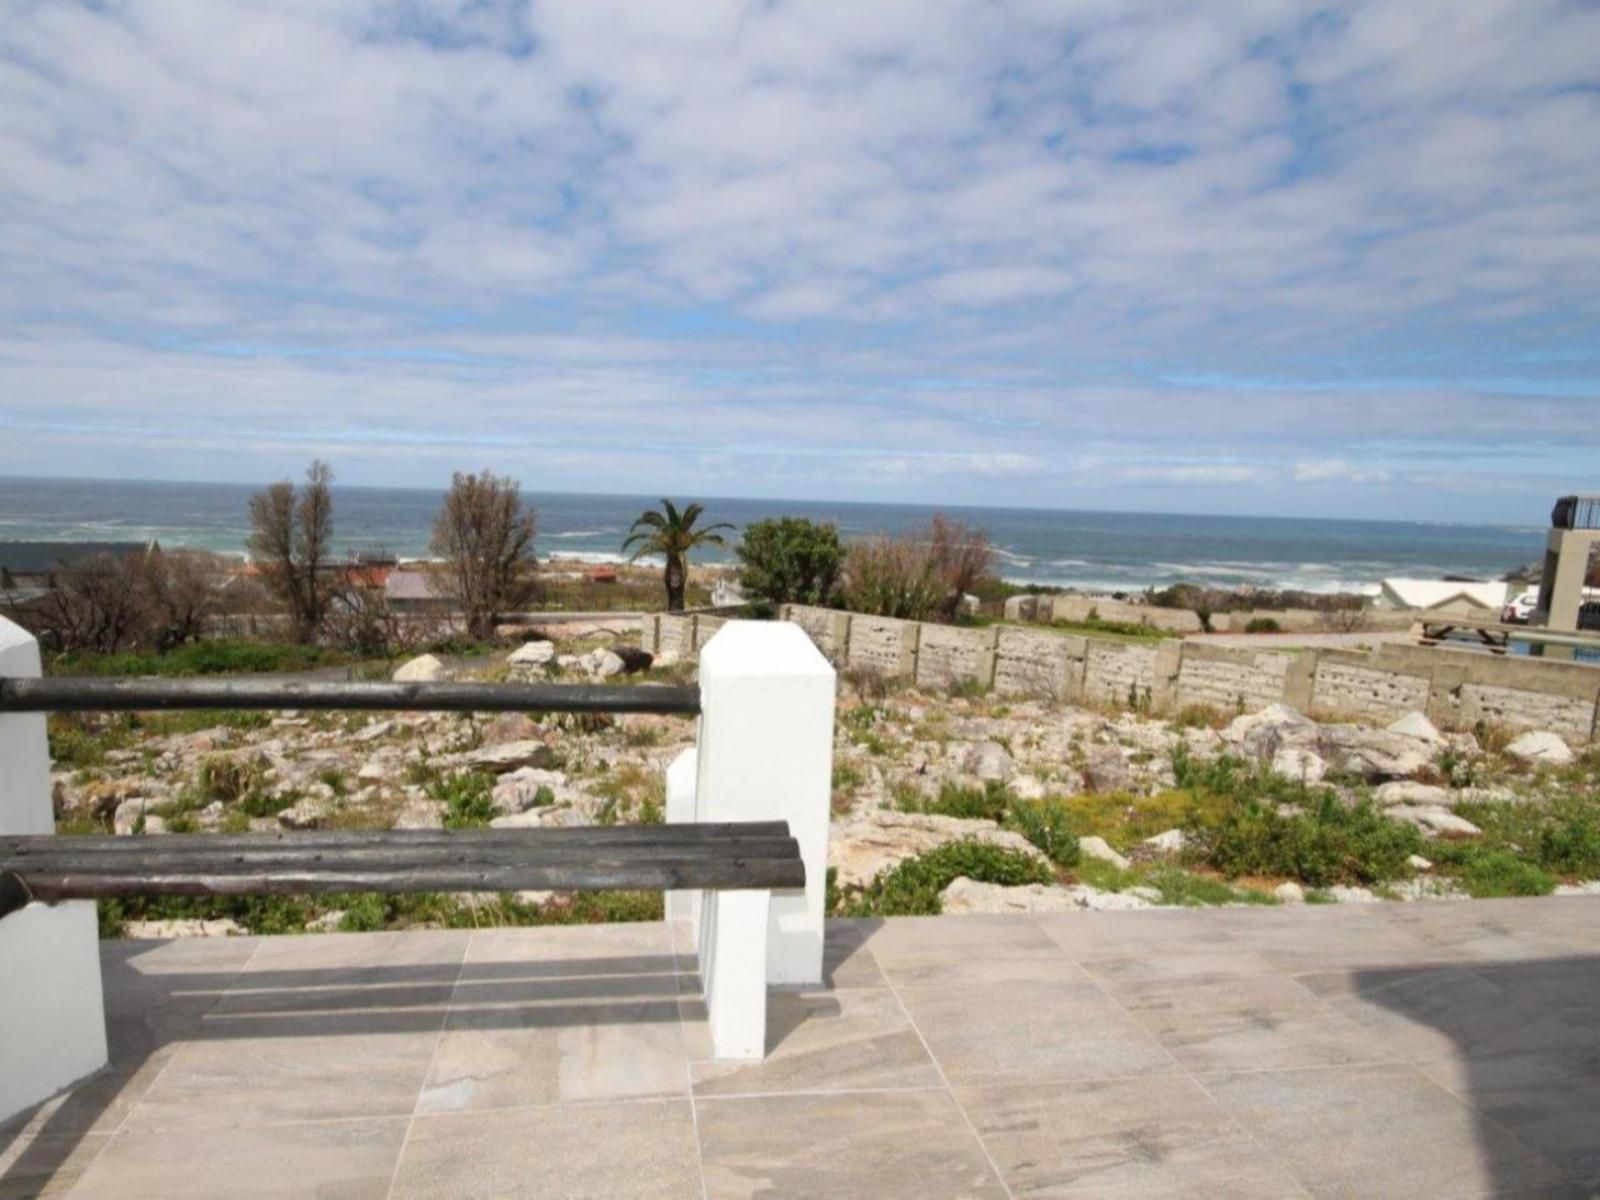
(1456, 689)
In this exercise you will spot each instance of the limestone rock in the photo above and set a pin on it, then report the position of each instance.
(532, 654)
(1027, 787)
(988, 761)
(968, 896)
(184, 927)
(871, 842)
(1290, 893)
(1299, 764)
(1262, 734)
(517, 791)
(1416, 725)
(1107, 770)
(375, 730)
(1417, 863)
(1405, 791)
(425, 668)
(133, 817)
(1375, 754)
(1170, 842)
(1352, 895)
(309, 813)
(1433, 820)
(1539, 747)
(1098, 847)
(510, 756)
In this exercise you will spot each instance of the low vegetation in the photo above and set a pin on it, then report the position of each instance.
(912, 888)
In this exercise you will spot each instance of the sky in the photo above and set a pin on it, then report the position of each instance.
(1235, 257)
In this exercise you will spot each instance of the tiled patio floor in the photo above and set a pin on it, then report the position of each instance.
(1382, 1050)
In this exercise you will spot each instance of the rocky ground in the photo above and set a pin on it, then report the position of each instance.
(1079, 808)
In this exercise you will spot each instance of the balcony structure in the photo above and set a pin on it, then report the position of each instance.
(1430, 1049)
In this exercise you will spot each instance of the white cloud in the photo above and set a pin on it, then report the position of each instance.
(722, 225)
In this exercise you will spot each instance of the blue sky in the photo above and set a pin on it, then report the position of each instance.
(1230, 257)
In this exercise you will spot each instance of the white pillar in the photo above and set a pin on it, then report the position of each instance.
(733, 970)
(766, 754)
(52, 1012)
(684, 904)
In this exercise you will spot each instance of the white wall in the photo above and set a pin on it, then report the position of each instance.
(52, 1013)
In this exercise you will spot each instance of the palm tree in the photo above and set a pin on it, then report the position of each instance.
(671, 534)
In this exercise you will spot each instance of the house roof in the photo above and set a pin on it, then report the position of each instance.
(415, 585)
(1436, 593)
(37, 557)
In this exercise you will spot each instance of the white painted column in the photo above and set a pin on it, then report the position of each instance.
(733, 969)
(683, 904)
(766, 754)
(52, 1011)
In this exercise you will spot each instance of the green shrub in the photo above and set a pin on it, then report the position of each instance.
(1183, 887)
(1571, 845)
(1048, 826)
(214, 656)
(1501, 873)
(1327, 844)
(790, 560)
(468, 798)
(991, 802)
(1262, 625)
(912, 888)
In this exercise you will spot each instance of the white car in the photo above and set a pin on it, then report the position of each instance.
(1519, 609)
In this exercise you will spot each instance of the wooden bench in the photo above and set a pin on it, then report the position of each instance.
(756, 855)
(736, 864)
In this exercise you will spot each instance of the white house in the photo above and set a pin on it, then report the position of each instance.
(1443, 596)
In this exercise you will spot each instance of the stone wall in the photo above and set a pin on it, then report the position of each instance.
(1455, 688)
(1076, 608)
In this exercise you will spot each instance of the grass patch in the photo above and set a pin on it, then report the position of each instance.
(468, 798)
(1194, 891)
(912, 888)
(1326, 844)
(1047, 824)
(1491, 873)
(214, 656)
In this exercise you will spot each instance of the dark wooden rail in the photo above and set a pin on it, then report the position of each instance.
(747, 855)
(89, 694)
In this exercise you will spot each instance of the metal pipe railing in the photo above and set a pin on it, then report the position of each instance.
(125, 695)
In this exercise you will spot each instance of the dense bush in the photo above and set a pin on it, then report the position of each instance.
(1048, 825)
(1489, 873)
(912, 888)
(1329, 843)
(790, 560)
(1262, 625)
(990, 802)
(920, 575)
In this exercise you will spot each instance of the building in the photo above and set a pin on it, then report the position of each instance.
(1565, 604)
(1444, 596)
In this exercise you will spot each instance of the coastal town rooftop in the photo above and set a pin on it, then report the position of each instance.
(1424, 1050)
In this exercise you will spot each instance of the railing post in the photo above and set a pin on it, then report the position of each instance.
(683, 904)
(766, 753)
(52, 1012)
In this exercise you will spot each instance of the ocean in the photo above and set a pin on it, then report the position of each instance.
(1102, 551)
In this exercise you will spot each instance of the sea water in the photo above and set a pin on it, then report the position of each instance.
(1103, 551)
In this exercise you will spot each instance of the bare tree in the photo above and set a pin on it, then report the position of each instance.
(290, 539)
(961, 556)
(95, 604)
(179, 589)
(485, 536)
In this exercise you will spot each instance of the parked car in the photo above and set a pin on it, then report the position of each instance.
(1519, 609)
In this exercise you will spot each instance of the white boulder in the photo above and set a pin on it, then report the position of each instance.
(532, 654)
(1299, 764)
(1170, 842)
(1539, 747)
(425, 668)
(509, 756)
(1290, 893)
(1416, 725)
(988, 761)
(1098, 847)
(1406, 791)
(1433, 820)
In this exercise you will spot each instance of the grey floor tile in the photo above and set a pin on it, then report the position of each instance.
(1032, 1033)
(820, 1041)
(644, 1148)
(1440, 1011)
(45, 1166)
(1378, 1131)
(1502, 930)
(1550, 1100)
(905, 943)
(1247, 1022)
(349, 1160)
(546, 1052)
(847, 960)
(1127, 1137)
(879, 1144)
(231, 1082)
